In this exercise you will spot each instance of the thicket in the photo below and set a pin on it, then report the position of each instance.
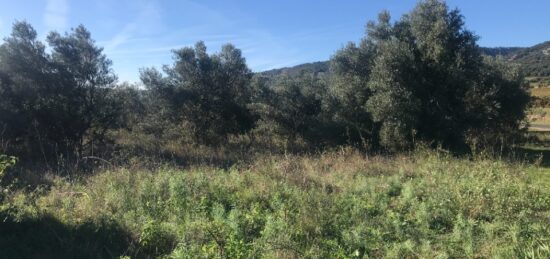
(421, 78)
(216, 161)
(56, 105)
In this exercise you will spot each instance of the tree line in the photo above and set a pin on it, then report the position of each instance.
(421, 78)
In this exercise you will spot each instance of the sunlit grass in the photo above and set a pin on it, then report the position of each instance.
(540, 86)
(540, 92)
(539, 118)
(337, 204)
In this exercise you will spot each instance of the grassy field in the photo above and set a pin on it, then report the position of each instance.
(537, 83)
(539, 116)
(335, 204)
(540, 92)
(339, 204)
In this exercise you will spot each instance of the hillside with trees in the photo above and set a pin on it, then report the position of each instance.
(317, 68)
(409, 143)
(535, 61)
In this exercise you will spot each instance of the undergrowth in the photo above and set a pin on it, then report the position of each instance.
(339, 204)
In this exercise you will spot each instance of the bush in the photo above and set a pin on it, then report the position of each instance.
(210, 92)
(5, 163)
(56, 104)
(424, 78)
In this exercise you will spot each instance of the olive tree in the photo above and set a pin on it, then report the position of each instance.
(423, 77)
(291, 107)
(208, 91)
(56, 103)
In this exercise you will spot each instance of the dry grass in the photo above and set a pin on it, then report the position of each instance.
(336, 204)
(540, 92)
(539, 119)
(539, 83)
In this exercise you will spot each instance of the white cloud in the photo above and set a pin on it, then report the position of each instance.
(146, 41)
(121, 37)
(146, 20)
(56, 14)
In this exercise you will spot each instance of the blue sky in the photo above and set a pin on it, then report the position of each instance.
(271, 34)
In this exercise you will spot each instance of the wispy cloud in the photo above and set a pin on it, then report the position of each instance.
(148, 13)
(120, 38)
(146, 41)
(56, 14)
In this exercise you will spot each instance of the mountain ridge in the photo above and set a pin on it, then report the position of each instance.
(534, 60)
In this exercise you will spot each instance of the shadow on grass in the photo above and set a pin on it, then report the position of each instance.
(536, 155)
(47, 237)
(152, 159)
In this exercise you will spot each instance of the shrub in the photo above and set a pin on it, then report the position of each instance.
(424, 78)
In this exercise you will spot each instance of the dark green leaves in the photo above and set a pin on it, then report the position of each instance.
(209, 91)
(424, 76)
(58, 103)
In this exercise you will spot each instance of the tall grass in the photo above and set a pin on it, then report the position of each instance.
(338, 204)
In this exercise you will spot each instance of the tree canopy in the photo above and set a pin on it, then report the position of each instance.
(56, 102)
(210, 92)
(424, 77)
(421, 77)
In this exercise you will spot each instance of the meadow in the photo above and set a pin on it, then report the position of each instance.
(540, 85)
(335, 204)
(539, 112)
(411, 145)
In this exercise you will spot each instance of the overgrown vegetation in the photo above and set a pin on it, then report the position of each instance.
(419, 79)
(409, 147)
(539, 82)
(5, 163)
(337, 204)
(534, 61)
(58, 105)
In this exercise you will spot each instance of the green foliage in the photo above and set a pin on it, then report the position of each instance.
(291, 107)
(209, 91)
(47, 237)
(58, 103)
(534, 61)
(156, 239)
(320, 68)
(393, 103)
(421, 78)
(424, 77)
(500, 51)
(331, 205)
(497, 102)
(348, 92)
(5, 163)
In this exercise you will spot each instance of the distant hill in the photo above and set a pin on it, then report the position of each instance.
(500, 51)
(319, 68)
(535, 61)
